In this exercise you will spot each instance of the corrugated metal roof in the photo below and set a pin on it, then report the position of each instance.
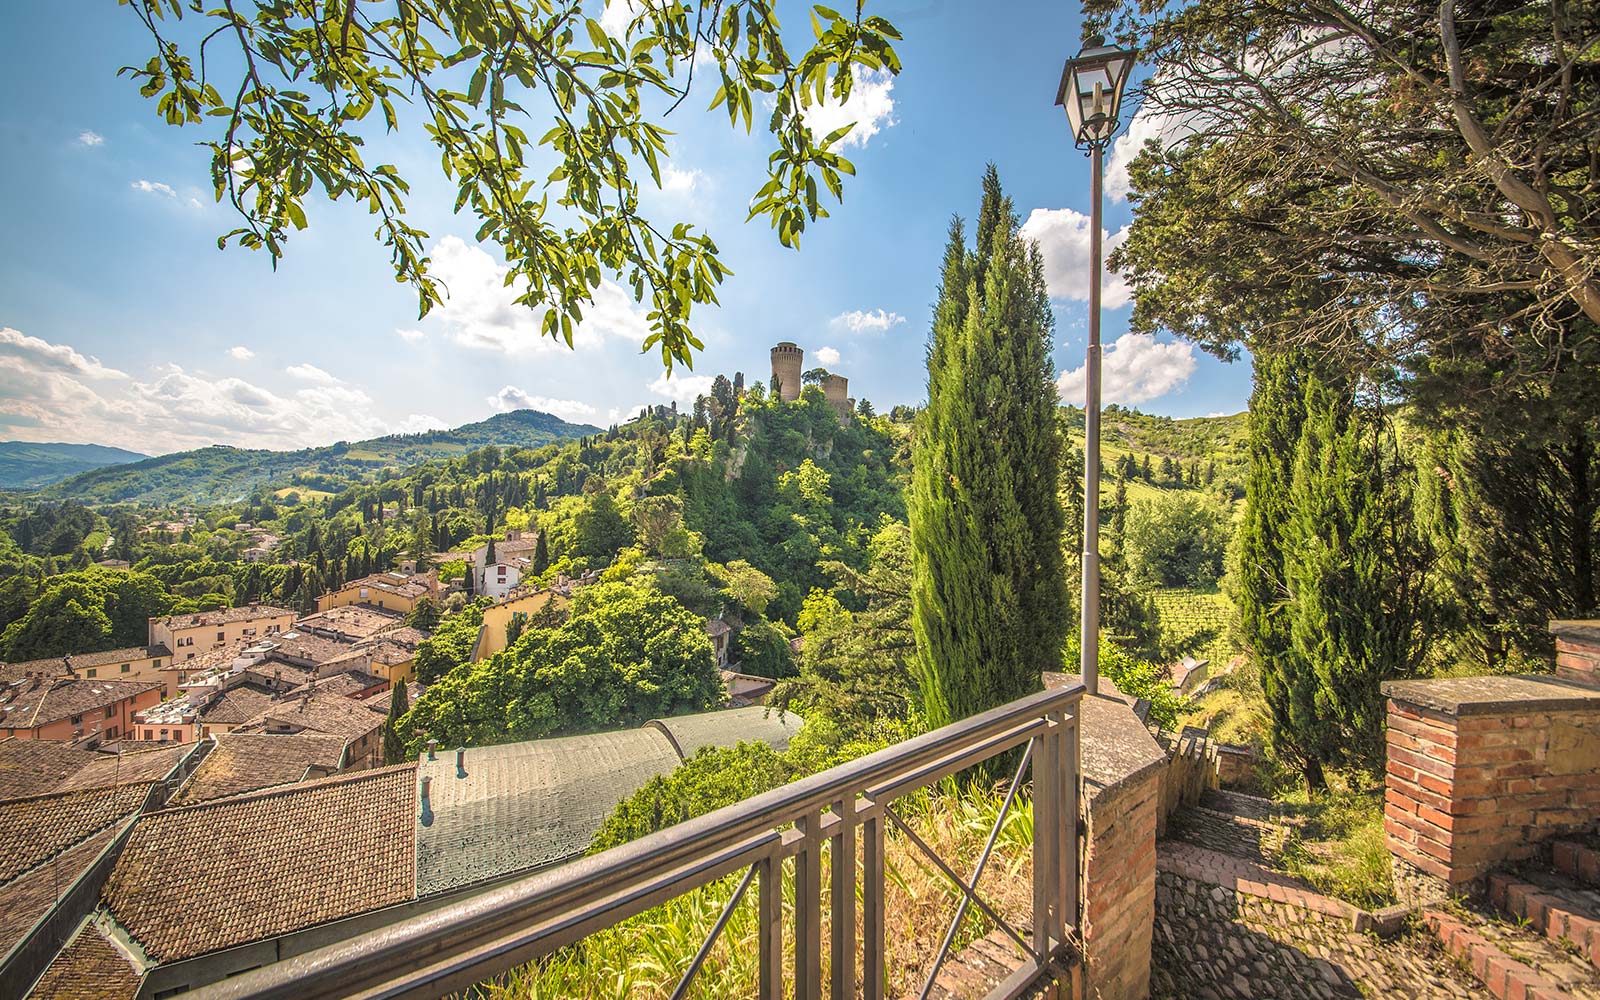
(689, 733)
(525, 805)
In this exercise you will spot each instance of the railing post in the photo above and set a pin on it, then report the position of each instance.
(770, 925)
(1046, 843)
(872, 972)
(843, 912)
(1071, 817)
(808, 910)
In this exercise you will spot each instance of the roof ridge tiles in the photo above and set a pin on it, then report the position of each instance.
(349, 777)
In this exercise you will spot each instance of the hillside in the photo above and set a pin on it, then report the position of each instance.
(27, 465)
(222, 474)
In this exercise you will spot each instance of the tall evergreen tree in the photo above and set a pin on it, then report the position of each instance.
(394, 744)
(990, 606)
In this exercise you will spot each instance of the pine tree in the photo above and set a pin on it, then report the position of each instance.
(394, 744)
(1144, 470)
(989, 588)
(541, 555)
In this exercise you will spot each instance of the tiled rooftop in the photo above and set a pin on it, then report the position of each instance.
(246, 762)
(237, 705)
(33, 767)
(225, 616)
(88, 968)
(32, 830)
(138, 767)
(271, 866)
(80, 661)
(352, 622)
(31, 894)
(48, 702)
(321, 713)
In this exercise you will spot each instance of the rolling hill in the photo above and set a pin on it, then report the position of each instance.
(26, 465)
(222, 474)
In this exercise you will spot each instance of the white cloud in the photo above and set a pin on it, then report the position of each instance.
(312, 374)
(680, 183)
(1149, 122)
(89, 137)
(154, 187)
(875, 321)
(571, 410)
(416, 423)
(410, 336)
(683, 388)
(1063, 238)
(43, 355)
(617, 16)
(1133, 369)
(51, 392)
(828, 356)
(481, 312)
(870, 107)
(241, 353)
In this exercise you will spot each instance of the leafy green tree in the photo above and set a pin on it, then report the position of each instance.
(1175, 540)
(88, 611)
(714, 777)
(426, 615)
(989, 587)
(625, 655)
(541, 555)
(472, 68)
(600, 529)
(451, 643)
(745, 585)
(394, 741)
(762, 648)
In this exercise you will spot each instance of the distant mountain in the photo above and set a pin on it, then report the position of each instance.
(221, 474)
(28, 464)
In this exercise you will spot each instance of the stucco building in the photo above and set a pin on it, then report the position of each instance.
(187, 636)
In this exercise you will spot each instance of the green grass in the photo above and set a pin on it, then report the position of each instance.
(1340, 848)
(1198, 623)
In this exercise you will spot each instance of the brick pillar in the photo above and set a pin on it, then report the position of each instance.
(1122, 769)
(1578, 650)
(1482, 770)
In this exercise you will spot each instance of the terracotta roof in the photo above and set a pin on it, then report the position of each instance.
(88, 968)
(352, 622)
(33, 767)
(80, 661)
(31, 895)
(50, 702)
(245, 762)
(137, 767)
(225, 616)
(214, 657)
(305, 647)
(392, 583)
(34, 829)
(283, 867)
(321, 713)
(347, 684)
(237, 705)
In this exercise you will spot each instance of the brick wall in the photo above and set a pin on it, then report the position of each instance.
(1122, 768)
(1577, 650)
(1482, 770)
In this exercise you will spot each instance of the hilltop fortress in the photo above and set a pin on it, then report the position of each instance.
(788, 366)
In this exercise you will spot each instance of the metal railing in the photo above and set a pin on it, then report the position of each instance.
(467, 942)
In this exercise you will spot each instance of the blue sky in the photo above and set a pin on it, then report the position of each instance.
(121, 323)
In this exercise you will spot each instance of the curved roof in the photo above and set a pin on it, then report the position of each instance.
(689, 733)
(524, 805)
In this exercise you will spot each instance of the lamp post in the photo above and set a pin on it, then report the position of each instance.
(1091, 90)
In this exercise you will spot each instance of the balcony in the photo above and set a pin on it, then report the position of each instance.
(842, 813)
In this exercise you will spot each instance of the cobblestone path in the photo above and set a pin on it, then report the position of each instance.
(1230, 928)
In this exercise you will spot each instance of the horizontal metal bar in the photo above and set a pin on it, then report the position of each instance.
(954, 763)
(527, 915)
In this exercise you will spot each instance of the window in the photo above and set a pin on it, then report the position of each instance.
(149, 734)
(249, 631)
(363, 593)
(221, 636)
(77, 720)
(111, 733)
(110, 712)
(126, 667)
(90, 671)
(272, 629)
(156, 663)
(189, 657)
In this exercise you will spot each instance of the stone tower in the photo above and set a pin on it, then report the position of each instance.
(787, 362)
(837, 389)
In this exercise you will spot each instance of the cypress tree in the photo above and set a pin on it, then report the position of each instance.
(990, 606)
(394, 745)
(541, 555)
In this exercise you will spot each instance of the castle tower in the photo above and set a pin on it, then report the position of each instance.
(787, 362)
(837, 389)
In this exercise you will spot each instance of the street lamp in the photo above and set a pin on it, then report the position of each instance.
(1091, 90)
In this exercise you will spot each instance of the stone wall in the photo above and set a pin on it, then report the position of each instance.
(1577, 650)
(1483, 770)
(1122, 770)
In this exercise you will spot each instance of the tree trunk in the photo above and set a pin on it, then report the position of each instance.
(1579, 457)
(1315, 781)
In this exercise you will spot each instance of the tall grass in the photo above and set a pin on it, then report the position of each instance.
(644, 957)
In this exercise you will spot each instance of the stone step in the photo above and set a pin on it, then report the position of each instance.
(1512, 962)
(1551, 904)
(1228, 832)
(1577, 861)
(1245, 806)
(1233, 873)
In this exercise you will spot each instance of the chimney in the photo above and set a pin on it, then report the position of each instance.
(432, 746)
(427, 786)
(461, 762)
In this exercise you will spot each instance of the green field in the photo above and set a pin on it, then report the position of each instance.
(1198, 623)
